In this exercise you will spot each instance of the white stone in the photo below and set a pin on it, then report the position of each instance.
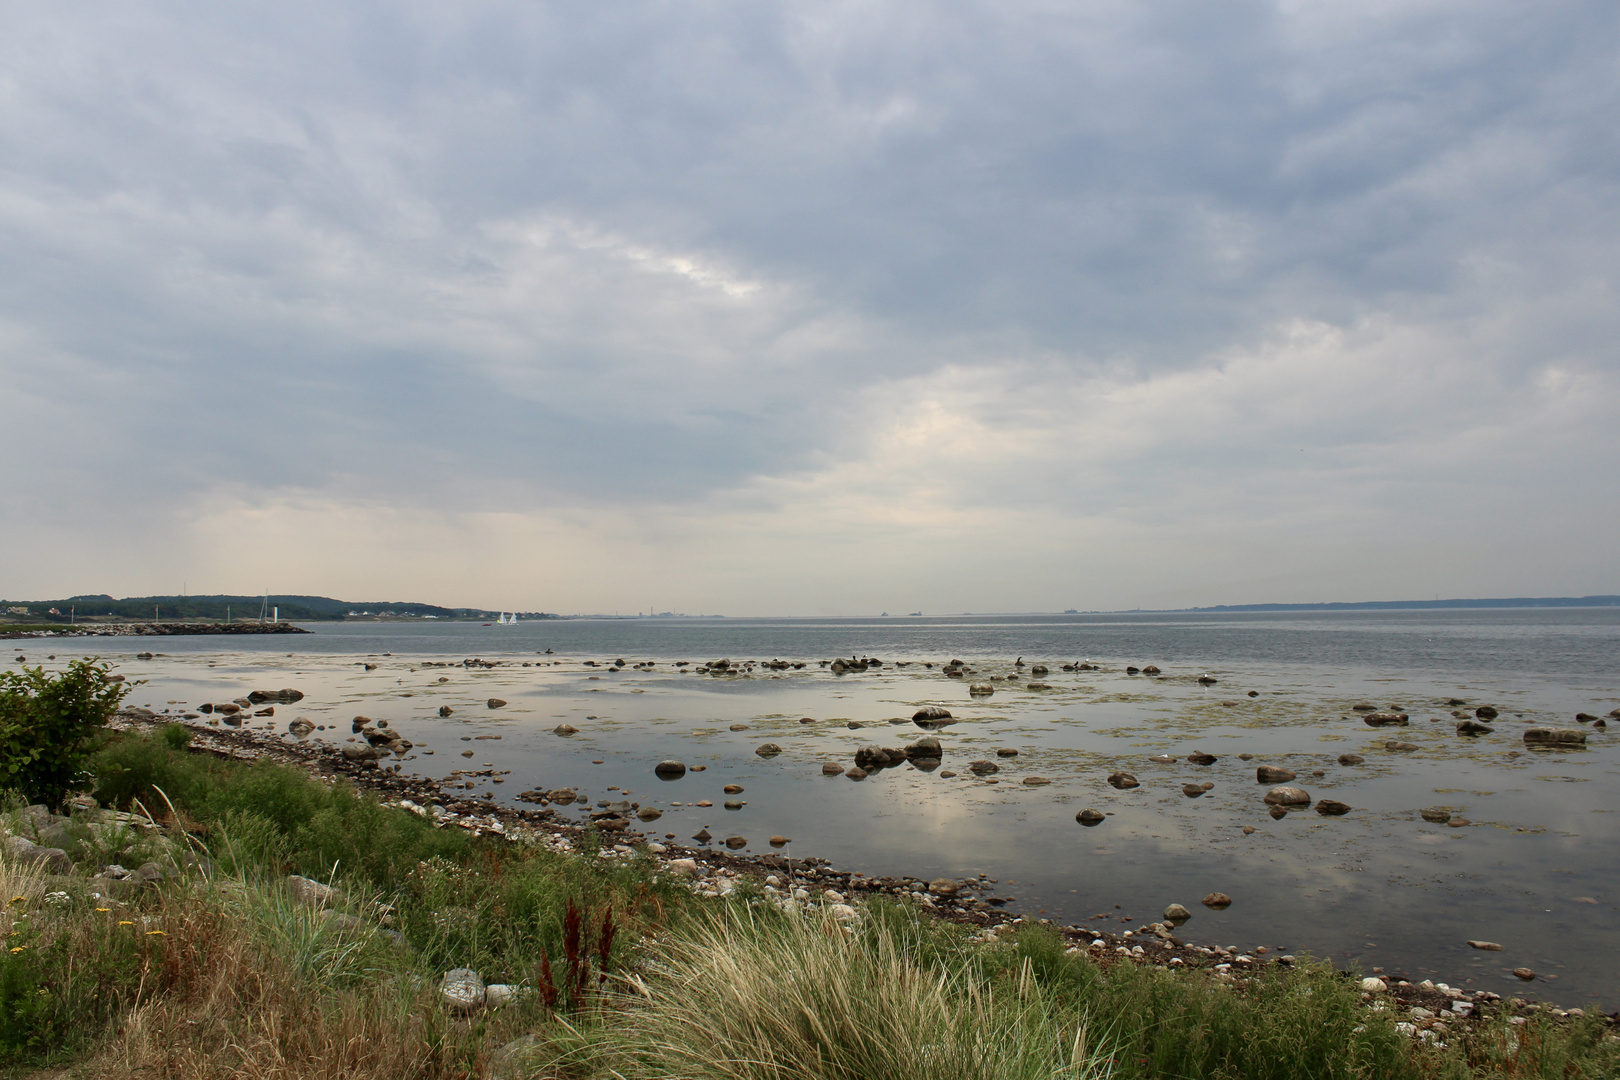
(500, 993)
(842, 911)
(463, 990)
(683, 867)
(1373, 985)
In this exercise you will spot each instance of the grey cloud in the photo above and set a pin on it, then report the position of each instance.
(496, 253)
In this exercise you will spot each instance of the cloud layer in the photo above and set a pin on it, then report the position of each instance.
(803, 308)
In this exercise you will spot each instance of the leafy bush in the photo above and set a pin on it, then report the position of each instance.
(48, 726)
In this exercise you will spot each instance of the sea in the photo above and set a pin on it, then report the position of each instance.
(1524, 854)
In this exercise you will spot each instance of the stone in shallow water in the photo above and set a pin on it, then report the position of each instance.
(1437, 814)
(670, 770)
(1217, 900)
(1089, 817)
(1273, 774)
(1332, 808)
(1554, 736)
(1487, 946)
(1287, 795)
(1351, 759)
(1123, 780)
(769, 749)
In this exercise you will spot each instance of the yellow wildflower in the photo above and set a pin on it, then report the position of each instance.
(18, 949)
(103, 909)
(156, 933)
(125, 922)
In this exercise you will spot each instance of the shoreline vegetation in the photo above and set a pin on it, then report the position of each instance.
(225, 903)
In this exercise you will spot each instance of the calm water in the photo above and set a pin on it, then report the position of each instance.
(1380, 887)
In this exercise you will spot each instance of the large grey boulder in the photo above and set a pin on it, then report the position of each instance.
(51, 860)
(308, 891)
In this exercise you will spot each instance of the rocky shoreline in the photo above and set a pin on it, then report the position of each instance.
(1430, 1009)
(156, 629)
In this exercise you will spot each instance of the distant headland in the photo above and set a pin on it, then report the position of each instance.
(229, 610)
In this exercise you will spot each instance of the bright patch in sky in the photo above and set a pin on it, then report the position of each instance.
(811, 308)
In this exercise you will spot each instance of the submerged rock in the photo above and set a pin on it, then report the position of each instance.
(1123, 781)
(1351, 759)
(1543, 736)
(1273, 774)
(769, 749)
(1332, 808)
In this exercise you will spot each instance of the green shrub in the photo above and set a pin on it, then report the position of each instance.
(130, 769)
(49, 723)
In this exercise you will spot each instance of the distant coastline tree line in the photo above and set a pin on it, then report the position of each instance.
(103, 608)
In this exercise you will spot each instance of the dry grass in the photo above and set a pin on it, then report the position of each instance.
(237, 997)
(745, 998)
(21, 887)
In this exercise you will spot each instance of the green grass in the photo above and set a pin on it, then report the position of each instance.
(624, 975)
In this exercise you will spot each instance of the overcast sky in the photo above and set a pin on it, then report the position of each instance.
(811, 308)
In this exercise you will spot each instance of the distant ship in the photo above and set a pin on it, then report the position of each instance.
(506, 619)
(916, 613)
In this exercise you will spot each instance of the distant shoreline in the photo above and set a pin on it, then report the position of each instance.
(152, 630)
